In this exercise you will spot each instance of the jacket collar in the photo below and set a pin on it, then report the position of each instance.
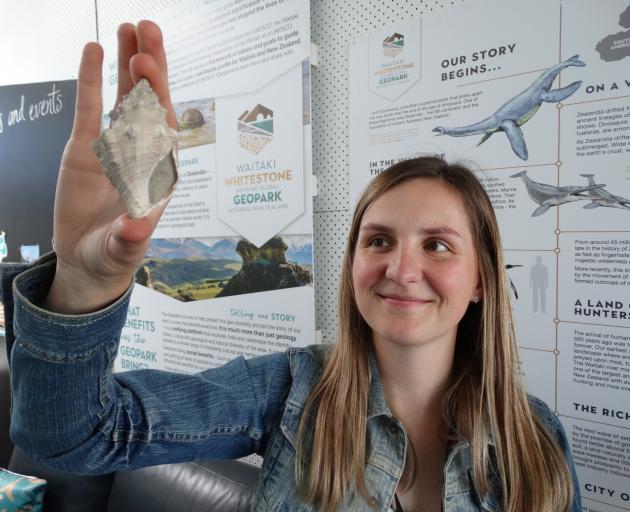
(377, 405)
(458, 460)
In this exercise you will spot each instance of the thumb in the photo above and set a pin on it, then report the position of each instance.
(132, 231)
(128, 241)
(137, 230)
(130, 237)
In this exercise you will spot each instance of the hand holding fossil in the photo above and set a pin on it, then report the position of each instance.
(98, 245)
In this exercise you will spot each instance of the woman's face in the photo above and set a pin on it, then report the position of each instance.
(415, 265)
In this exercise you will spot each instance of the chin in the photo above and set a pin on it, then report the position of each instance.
(411, 336)
(401, 337)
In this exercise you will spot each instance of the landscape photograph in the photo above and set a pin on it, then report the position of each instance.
(191, 269)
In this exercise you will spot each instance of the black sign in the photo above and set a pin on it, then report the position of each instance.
(35, 123)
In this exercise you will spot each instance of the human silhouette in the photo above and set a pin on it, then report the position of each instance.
(538, 280)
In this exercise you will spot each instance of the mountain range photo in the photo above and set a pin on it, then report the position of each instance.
(190, 269)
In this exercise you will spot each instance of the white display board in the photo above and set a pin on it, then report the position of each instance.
(229, 269)
(536, 95)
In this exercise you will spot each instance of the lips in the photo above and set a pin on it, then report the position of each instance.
(402, 300)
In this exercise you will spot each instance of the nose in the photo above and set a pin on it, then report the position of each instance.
(405, 265)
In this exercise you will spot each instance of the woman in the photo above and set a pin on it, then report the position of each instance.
(419, 404)
(424, 290)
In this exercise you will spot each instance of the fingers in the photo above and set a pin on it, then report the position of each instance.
(141, 55)
(89, 109)
(150, 42)
(145, 66)
(127, 48)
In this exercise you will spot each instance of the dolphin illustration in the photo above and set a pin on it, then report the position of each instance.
(549, 195)
(520, 109)
(600, 197)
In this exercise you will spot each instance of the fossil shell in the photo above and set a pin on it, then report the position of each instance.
(138, 151)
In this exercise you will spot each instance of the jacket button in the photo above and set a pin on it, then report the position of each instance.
(373, 502)
(393, 427)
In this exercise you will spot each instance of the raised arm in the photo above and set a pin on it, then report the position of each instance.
(98, 246)
(68, 409)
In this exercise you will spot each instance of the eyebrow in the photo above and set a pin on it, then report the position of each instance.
(438, 230)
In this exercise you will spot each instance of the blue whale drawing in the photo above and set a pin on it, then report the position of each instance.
(520, 109)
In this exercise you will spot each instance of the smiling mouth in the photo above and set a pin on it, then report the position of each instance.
(401, 301)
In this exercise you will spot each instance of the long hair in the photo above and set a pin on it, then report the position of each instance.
(486, 396)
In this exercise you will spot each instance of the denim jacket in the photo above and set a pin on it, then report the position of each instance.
(69, 411)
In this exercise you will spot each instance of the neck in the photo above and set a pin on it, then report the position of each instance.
(415, 379)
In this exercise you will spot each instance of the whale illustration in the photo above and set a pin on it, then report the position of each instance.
(549, 195)
(520, 109)
(600, 197)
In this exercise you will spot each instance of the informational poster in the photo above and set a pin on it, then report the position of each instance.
(536, 97)
(229, 268)
(35, 123)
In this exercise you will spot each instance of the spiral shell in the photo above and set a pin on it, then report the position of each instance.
(138, 151)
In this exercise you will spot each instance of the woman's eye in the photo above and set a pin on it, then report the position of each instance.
(437, 246)
(378, 242)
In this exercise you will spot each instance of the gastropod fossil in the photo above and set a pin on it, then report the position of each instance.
(138, 151)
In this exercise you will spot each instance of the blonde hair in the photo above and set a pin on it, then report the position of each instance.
(486, 395)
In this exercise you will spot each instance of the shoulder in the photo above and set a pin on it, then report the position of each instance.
(311, 355)
(541, 410)
(298, 367)
(549, 419)
(296, 357)
(306, 365)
